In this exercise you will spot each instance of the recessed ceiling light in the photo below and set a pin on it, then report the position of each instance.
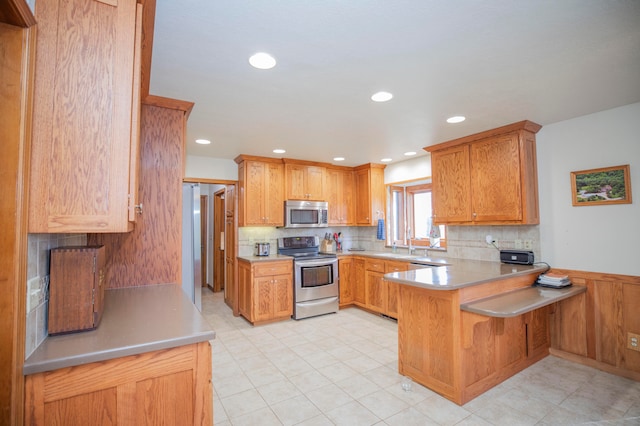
(203, 141)
(410, 153)
(279, 151)
(456, 119)
(338, 158)
(381, 97)
(386, 160)
(262, 61)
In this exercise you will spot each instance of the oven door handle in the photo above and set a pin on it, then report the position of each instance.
(316, 262)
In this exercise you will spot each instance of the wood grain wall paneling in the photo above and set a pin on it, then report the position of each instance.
(593, 329)
(152, 253)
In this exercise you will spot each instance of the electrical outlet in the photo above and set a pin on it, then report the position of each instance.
(518, 244)
(527, 244)
(633, 341)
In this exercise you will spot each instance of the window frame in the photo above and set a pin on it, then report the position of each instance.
(408, 190)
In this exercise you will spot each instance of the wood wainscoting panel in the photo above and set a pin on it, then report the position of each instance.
(152, 252)
(593, 328)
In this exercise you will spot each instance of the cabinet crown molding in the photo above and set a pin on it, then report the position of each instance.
(524, 125)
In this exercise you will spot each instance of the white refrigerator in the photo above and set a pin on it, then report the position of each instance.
(191, 272)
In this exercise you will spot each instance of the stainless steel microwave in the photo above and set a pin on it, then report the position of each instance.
(306, 214)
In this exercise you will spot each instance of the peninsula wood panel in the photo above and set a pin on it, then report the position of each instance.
(16, 75)
(152, 253)
(82, 116)
(170, 386)
(600, 322)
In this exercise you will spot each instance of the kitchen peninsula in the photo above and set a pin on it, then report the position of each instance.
(465, 327)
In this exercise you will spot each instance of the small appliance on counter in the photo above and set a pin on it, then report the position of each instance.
(262, 249)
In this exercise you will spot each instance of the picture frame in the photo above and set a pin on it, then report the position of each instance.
(603, 186)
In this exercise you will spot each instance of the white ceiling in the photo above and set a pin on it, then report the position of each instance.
(494, 61)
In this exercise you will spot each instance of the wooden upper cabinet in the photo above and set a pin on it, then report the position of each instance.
(261, 196)
(84, 108)
(340, 194)
(370, 200)
(487, 178)
(304, 181)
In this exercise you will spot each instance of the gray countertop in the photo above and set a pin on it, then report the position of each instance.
(270, 258)
(462, 273)
(135, 320)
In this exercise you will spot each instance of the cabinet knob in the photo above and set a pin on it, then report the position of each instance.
(138, 208)
(475, 214)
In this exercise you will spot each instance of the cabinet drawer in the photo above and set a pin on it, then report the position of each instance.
(391, 266)
(272, 268)
(374, 265)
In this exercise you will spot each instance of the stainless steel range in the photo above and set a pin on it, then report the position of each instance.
(315, 277)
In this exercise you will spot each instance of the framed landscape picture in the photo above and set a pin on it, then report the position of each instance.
(608, 185)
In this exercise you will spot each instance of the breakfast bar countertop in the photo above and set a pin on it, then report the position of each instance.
(135, 320)
(461, 273)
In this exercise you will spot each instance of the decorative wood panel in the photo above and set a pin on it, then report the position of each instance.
(152, 253)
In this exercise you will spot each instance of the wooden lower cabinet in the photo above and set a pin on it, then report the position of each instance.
(358, 280)
(265, 290)
(460, 354)
(170, 386)
(380, 295)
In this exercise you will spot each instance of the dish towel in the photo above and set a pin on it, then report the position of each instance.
(381, 235)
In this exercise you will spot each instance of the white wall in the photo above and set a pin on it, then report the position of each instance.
(589, 238)
(211, 168)
(416, 168)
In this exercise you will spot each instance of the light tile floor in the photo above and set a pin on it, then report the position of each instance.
(341, 369)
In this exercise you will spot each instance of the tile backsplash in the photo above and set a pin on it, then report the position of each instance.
(463, 242)
(40, 246)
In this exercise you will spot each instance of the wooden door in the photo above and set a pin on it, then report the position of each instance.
(295, 175)
(451, 173)
(333, 196)
(348, 187)
(264, 296)
(230, 228)
(219, 220)
(204, 232)
(496, 190)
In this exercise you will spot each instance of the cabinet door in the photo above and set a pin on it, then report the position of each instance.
(274, 195)
(282, 296)
(348, 198)
(333, 196)
(295, 175)
(315, 183)
(347, 284)
(359, 294)
(255, 187)
(450, 171)
(393, 288)
(82, 116)
(375, 291)
(363, 197)
(495, 179)
(244, 289)
(264, 291)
